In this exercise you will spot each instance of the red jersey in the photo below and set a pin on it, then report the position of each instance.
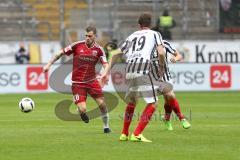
(85, 60)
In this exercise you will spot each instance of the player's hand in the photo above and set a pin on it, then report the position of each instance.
(173, 60)
(46, 68)
(104, 79)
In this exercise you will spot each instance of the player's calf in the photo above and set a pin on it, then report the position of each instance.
(105, 118)
(84, 117)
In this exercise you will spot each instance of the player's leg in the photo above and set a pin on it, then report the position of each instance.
(82, 111)
(163, 89)
(168, 111)
(128, 115)
(96, 93)
(148, 93)
(80, 96)
(131, 100)
(144, 119)
(171, 101)
(167, 116)
(104, 113)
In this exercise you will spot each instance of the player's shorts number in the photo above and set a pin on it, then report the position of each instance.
(76, 97)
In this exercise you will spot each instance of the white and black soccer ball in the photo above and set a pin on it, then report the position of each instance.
(26, 105)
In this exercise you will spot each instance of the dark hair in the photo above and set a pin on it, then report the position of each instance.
(145, 20)
(91, 28)
(165, 12)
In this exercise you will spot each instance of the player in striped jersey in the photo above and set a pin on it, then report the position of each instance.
(171, 102)
(137, 51)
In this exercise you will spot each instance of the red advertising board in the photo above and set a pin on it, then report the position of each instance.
(36, 79)
(220, 76)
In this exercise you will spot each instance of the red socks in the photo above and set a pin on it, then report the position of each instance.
(147, 114)
(128, 117)
(168, 112)
(145, 117)
(175, 106)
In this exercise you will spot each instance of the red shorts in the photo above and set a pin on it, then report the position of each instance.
(80, 91)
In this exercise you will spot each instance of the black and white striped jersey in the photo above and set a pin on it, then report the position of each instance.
(137, 50)
(155, 66)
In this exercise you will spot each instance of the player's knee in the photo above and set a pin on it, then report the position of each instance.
(169, 95)
(168, 89)
(165, 88)
(102, 105)
(133, 101)
(100, 100)
(81, 106)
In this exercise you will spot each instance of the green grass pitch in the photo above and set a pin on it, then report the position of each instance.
(40, 135)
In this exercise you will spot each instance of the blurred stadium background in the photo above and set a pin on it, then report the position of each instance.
(207, 34)
(43, 20)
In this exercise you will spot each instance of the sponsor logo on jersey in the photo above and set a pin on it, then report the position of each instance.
(88, 59)
(94, 53)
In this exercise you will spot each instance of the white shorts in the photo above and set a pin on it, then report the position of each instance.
(164, 86)
(142, 87)
(171, 81)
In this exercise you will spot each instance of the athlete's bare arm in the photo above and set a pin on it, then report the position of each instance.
(53, 60)
(161, 53)
(105, 65)
(113, 60)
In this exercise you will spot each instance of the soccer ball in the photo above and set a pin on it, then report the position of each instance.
(26, 105)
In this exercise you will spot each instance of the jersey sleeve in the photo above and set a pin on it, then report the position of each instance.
(125, 46)
(103, 57)
(69, 49)
(158, 38)
(169, 48)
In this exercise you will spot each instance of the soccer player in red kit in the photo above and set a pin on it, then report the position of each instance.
(86, 54)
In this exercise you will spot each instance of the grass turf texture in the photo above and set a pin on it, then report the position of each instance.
(41, 135)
